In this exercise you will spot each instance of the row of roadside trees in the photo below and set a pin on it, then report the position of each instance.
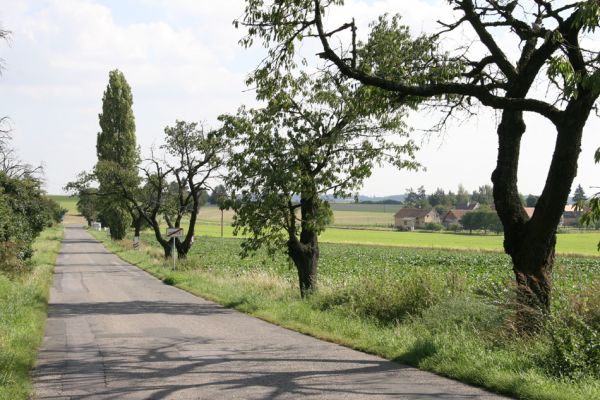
(323, 132)
(545, 45)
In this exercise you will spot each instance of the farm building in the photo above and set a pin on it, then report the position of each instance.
(468, 206)
(571, 216)
(454, 217)
(411, 218)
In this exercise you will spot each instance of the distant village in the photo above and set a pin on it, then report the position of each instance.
(451, 211)
(411, 218)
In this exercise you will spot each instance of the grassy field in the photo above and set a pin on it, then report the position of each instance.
(23, 303)
(568, 243)
(447, 311)
(374, 215)
(371, 208)
(351, 215)
(68, 202)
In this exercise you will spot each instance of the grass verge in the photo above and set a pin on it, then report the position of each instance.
(450, 312)
(23, 311)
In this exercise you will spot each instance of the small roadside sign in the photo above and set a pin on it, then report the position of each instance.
(174, 232)
(136, 242)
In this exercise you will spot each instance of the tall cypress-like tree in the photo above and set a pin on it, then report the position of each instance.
(579, 194)
(117, 153)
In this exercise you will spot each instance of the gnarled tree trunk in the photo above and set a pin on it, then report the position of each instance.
(531, 242)
(305, 255)
(304, 251)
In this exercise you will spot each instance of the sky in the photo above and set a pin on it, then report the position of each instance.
(183, 61)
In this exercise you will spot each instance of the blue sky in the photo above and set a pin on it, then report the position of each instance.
(182, 61)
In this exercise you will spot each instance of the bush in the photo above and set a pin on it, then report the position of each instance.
(454, 227)
(470, 314)
(24, 212)
(386, 300)
(574, 348)
(432, 226)
(118, 220)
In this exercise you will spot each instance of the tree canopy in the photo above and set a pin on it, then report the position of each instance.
(314, 137)
(547, 39)
(117, 153)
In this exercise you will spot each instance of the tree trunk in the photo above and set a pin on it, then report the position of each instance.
(165, 244)
(182, 247)
(304, 252)
(306, 259)
(531, 242)
(137, 226)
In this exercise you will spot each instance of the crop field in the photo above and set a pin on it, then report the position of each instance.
(447, 311)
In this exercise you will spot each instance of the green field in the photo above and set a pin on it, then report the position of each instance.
(567, 243)
(350, 215)
(371, 208)
(446, 311)
(346, 215)
(68, 202)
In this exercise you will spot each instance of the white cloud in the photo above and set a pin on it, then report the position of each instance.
(182, 59)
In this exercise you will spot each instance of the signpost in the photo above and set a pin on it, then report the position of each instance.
(174, 233)
(136, 242)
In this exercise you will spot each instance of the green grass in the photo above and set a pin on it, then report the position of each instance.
(68, 202)
(372, 208)
(567, 243)
(359, 215)
(446, 311)
(23, 311)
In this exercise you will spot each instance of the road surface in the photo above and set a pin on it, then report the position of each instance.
(115, 332)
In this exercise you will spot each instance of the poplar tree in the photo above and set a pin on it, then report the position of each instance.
(117, 152)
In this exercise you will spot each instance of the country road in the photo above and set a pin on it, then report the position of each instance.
(115, 332)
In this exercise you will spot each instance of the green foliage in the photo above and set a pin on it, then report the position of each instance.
(24, 212)
(118, 219)
(116, 140)
(416, 198)
(316, 136)
(392, 53)
(483, 195)
(574, 348)
(218, 195)
(454, 227)
(118, 155)
(482, 220)
(531, 200)
(433, 226)
(198, 154)
(385, 299)
(88, 206)
(579, 195)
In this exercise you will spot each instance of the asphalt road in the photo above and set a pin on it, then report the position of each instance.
(115, 332)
